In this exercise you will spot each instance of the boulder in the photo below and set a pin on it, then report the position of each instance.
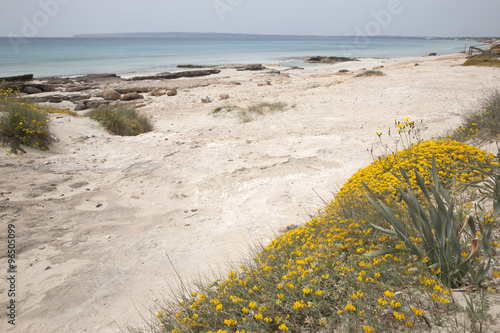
(224, 96)
(32, 90)
(81, 106)
(206, 100)
(111, 95)
(172, 92)
(131, 97)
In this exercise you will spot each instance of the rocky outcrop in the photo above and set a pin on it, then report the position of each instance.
(18, 78)
(98, 78)
(176, 75)
(328, 60)
(252, 67)
(57, 98)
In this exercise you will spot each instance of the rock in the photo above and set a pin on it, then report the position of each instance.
(81, 106)
(98, 206)
(140, 90)
(176, 75)
(156, 92)
(37, 87)
(190, 66)
(252, 67)
(131, 97)
(172, 92)
(111, 95)
(206, 100)
(32, 90)
(329, 60)
(224, 96)
(18, 78)
(433, 54)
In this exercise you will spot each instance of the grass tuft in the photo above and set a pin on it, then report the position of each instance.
(482, 124)
(122, 120)
(370, 73)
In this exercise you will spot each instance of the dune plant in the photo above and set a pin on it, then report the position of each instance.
(121, 120)
(316, 278)
(370, 73)
(22, 123)
(443, 242)
(483, 124)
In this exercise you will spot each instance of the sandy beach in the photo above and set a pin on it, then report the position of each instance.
(102, 220)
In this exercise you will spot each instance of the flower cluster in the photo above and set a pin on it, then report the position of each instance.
(316, 276)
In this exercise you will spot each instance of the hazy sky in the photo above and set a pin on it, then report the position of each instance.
(44, 18)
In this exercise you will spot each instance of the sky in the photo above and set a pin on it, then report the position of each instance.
(65, 18)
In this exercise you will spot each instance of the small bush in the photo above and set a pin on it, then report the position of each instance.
(370, 73)
(344, 71)
(482, 124)
(122, 120)
(490, 60)
(22, 124)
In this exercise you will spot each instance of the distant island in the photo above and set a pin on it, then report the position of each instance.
(239, 36)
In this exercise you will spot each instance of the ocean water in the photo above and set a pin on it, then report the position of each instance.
(129, 56)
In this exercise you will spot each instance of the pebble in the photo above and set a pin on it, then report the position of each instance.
(41, 247)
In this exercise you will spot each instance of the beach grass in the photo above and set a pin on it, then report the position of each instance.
(248, 114)
(481, 124)
(121, 120)
(370, 73)
(327, 276)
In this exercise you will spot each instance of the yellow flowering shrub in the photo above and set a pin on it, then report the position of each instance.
(316, 276)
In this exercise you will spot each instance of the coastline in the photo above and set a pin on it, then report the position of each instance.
(202, 187)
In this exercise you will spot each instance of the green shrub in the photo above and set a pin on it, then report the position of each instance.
(344, 71)
(482, 124)
(122, 120)
(22, 124)
(443, 239)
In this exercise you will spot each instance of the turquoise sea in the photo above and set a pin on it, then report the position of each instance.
(129, 56)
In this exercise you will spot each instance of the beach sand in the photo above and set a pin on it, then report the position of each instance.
(101, 220)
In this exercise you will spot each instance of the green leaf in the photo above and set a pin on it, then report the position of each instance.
(381, 252)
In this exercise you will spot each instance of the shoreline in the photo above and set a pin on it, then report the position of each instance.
(103, 211)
